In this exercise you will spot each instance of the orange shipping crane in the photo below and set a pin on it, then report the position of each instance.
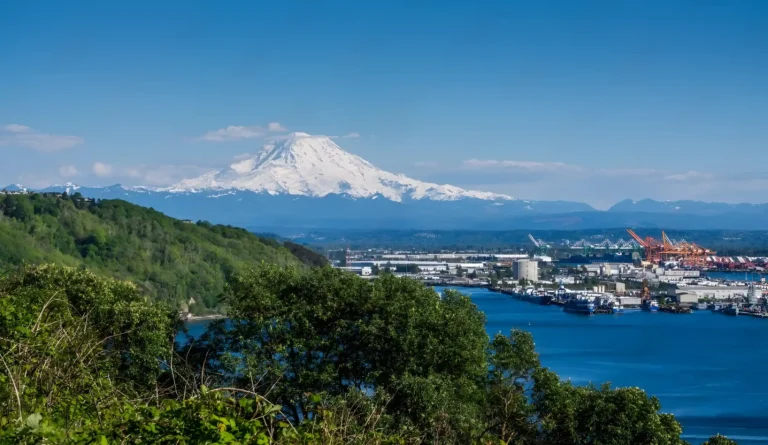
(689, 254)
(652, 247)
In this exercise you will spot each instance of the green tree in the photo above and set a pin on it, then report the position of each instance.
(330, 331)
(70, 338)
(324, 331)
(121, 240)
(310, 356)
(719, 440)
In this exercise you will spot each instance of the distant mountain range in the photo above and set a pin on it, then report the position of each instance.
(309, 181)
(688, 207)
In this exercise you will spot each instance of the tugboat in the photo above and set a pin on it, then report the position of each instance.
(579, 305)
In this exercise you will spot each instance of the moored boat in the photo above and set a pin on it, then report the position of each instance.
(651, 305)
(578, 305)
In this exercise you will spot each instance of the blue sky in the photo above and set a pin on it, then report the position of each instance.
(592, 101)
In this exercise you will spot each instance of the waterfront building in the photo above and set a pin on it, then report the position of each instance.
(685, 297)
(712, 292)
(424, 266)
(526, 269)
(359, 270)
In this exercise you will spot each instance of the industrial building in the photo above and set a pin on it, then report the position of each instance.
(629, 301)
(684, 297)
(363, 271)
(712, 292)
(526, 269)
(424, 266)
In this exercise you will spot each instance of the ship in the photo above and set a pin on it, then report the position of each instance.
(580, 305)
(651, 305)
(617, 309)
(531, 295)
(732, 309)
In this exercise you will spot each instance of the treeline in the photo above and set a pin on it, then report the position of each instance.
(309, 356)
(182, 263)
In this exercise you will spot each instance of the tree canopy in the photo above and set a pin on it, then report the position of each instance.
(182, 263)
(309, 356)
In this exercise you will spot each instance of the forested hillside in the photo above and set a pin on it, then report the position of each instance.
(182, 263)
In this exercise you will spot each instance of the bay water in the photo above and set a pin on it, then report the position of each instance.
(709, 370)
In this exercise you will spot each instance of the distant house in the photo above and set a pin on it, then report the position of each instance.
(188, 221)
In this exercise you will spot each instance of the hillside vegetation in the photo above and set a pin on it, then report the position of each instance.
(171, 260)
(347, 361)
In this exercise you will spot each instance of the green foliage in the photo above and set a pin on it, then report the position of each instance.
(587, 415)
(70, 340)
(310, 356)
(296, 334)
(325, 331)
(210, 418)
(183, 264)
(306, 255)
(719, 440)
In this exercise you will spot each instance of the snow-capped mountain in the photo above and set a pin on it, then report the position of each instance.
(315, 166)
(309, 181)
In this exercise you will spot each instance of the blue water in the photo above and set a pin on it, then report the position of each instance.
(707, 369)
(734, 276)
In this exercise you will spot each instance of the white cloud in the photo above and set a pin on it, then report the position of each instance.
(690, 175)
(67, 171)
(16, 128)
(150, 175)
(276, 127)
(519, 165)
(629, 171)
(352, 135)
(101, 169)
(239, 132)
(232, 133)
(23, 136)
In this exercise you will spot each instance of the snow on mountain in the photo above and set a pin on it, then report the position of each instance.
(315, 166)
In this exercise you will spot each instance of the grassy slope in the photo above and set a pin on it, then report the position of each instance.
(172, 260)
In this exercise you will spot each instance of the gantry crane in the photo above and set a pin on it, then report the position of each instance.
(541, 247)
(688, 254)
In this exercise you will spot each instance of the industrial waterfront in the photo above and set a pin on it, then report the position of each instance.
(705, 368)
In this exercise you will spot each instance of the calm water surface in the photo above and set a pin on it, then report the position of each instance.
(707, 369)
(735, 276)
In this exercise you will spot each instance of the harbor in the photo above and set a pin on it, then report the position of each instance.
(672, 357)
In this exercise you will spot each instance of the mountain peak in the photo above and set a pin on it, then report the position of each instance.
(15, 188)
(313, 165)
